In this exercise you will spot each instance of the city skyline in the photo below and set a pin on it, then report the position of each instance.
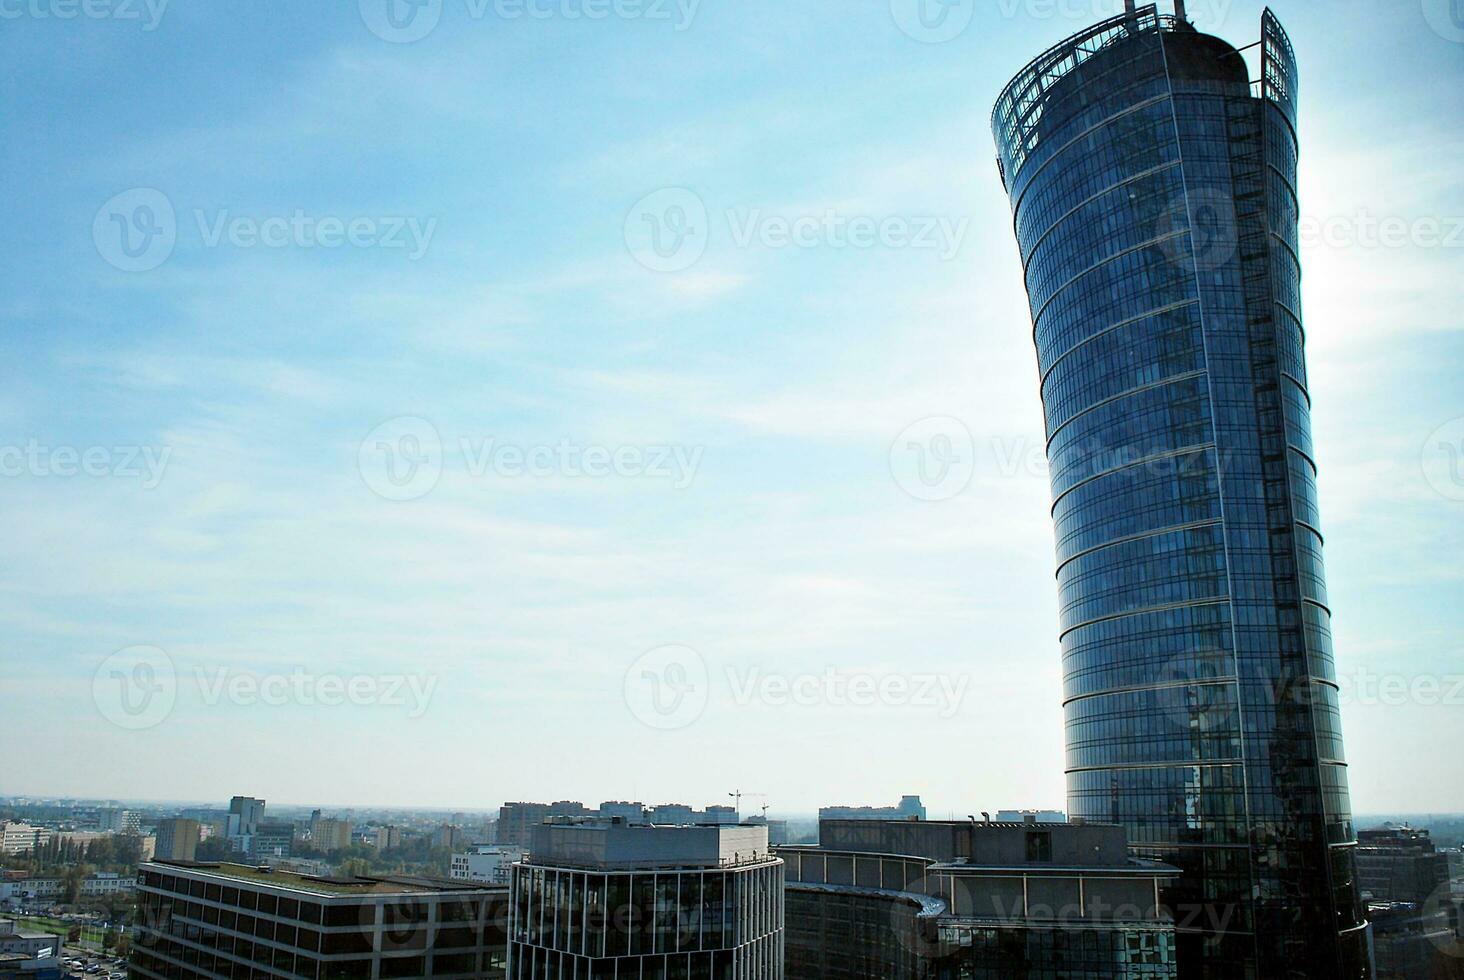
(766, 513)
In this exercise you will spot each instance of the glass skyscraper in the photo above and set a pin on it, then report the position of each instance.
(1153, 189)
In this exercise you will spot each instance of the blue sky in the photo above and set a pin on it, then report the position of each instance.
(686, 468)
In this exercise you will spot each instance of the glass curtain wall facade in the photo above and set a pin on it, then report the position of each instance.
(210, 921)
(570, 924)
(1154, 205)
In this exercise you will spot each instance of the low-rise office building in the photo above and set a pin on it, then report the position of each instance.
(1411, 941)
(211, 920)
(30, 890)
(276, 840)
(28, 954)
(918, 900)
(603, 899)
(22, 838)
(486, 862)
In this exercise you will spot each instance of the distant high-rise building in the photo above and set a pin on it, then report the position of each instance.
(1153, 190)
(245, 814)
(387, 837)
(627, 811)
(177, 839)
(959, 900)
(1408, 889)
(680, 813)
(1021, 816)
(1401, 864)
(119, 821)
(516, 821)
(328, 834)
(909, 808)
(273, 840)
(604, 898)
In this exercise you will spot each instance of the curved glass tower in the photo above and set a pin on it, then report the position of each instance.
(1154, 203)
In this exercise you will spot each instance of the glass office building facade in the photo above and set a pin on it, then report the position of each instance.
(207, 921)
(662, 924)
(1153, 190)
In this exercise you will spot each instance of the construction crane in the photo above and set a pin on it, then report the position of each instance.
(738, 794)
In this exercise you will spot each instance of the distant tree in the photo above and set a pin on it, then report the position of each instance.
(102, 852)
(71, 880)
(128, 851)
(214, 849)
(124, 945)
(73, 935)
(355, 866)
(110, 937)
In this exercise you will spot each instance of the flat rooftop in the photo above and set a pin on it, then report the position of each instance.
(610, 845)
(321, 885)
(990, 843)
